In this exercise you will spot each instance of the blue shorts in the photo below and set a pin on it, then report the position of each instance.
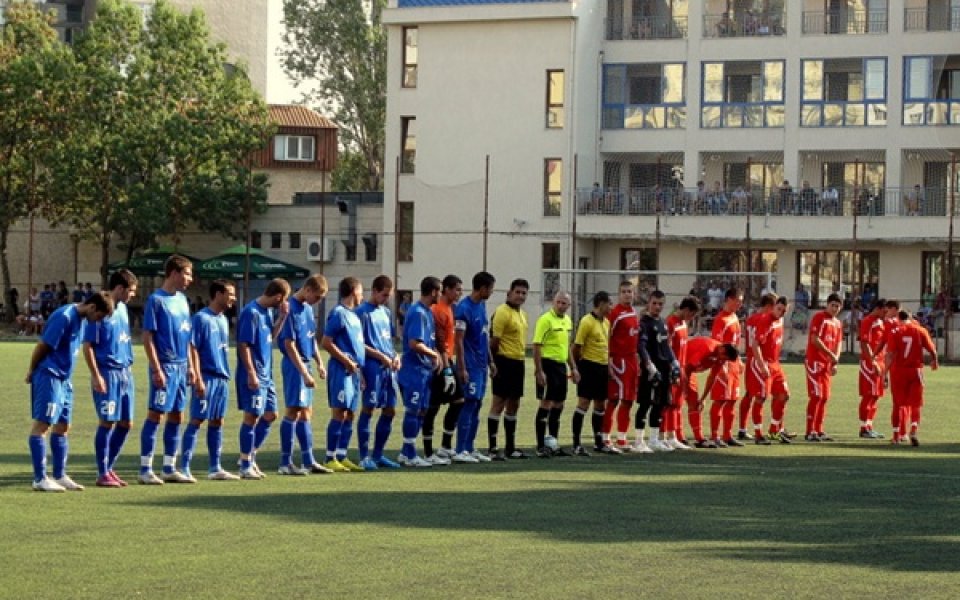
(51, 397)
(416, 392)
(296, 394)
(475, 387)
(256, 402)
(343, 391)
(213, 405)
(117, 403)
(381, 390)
(174, 397)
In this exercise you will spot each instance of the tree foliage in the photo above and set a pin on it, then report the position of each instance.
(340, 48)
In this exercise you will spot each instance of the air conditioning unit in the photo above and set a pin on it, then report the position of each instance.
(321, 249)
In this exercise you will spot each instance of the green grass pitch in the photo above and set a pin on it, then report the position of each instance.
(850, 519)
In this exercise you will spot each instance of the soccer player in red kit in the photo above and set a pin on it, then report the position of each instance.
(905, 349)
(820, 363)
(703, 354)
(758, 327)
(872, 333)
(677, 329)
(726, 385)
(771, 349)
(624, 369)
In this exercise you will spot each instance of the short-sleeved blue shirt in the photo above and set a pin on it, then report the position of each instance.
(168, 317)
(255, 328)
(472, 317)
(62, 333)
(211, 338)
(344, 328)
(110, 339)
(300, 327)
(418, 325)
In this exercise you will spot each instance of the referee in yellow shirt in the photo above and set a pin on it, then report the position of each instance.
(590, 354)
(508, 345)
(551, 355)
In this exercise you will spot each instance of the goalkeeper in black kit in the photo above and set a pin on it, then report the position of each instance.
(658, 370)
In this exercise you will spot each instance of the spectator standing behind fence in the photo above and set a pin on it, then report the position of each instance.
(808, 200)
(786, 197)
(831, 201)
(717, 200)
(77, 295)
(913, 203)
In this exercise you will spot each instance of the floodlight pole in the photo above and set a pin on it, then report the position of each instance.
(948, 279)
(486, 209)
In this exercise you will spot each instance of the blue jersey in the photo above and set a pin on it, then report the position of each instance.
(378, 332)
(211, 338)
(62, 333)
(344, 328)
(168, 317)
(110, 339)
(300, 327)
(418, 325)
(471, 318)
(255, 328)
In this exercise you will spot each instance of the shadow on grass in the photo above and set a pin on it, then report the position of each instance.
(793, 512)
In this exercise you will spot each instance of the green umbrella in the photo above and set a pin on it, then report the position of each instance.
(150, 263)
(230, 265)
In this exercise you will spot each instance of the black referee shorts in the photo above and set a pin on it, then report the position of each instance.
(555, 374)
(593, 380)
(509, 380)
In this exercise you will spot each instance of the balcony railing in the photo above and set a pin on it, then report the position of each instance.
(803, 202)
(649, 28)
(845, 22)
(751, 24)
(925, 19)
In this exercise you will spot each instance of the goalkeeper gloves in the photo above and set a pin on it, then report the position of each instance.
(449, 383)
(653, 375)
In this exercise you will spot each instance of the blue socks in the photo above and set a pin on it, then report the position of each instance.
(333, 438)
(148, 441)
(246, 443)
(117, 438)
(171, 443)
(189, 445)
(58, 452)
(38, 455)
(363, 434)
(467, 425)
(411, 428)
(384, 427)
(101, 440)
(474, 425)
(214, 446)
(304, 432)
(260, 433)
(286, 441)
(346, 432)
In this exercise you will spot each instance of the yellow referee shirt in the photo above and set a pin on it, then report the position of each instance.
(509, 326)
(552, 333)
(593, 336)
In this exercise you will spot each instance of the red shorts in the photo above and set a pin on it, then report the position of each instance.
(623, 382)
(906, 386)
(871, 379)
(774, 385)
(726, 385)
(688, 392)
(818, 379)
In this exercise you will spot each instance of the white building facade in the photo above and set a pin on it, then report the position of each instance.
(824, 135)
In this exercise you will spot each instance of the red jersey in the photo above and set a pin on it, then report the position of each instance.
(907, 344)
(890, 327)
(726, 328)
(829, 330)
(758, 330)
(700, 354)
(624, 330)
(872, 332)
(677, 330)
(772, 345)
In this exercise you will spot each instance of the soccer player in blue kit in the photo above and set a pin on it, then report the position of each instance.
(166, 341)
(420, 361)
(380, 375)
(473, 351)
(108, 353)
(210, 353)
(343, 340)
(299, 346)
(256, 393)
(51, 393)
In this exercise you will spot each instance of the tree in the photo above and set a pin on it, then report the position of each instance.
(341, 48)
(32, 63)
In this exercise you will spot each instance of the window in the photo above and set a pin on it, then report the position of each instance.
(410, 57)
(934, 272)
(640, 259)
(550, 259)
(644, 96)
(405, 231)
(931, 94)
(370, 247)
(276, 240)
(256, 239)
(555, 92)
(844, 92)
(733, 259)
(743, 93)
(408, 144)
(293, 147)
(824, 272)
(294, 240)
(552, 187)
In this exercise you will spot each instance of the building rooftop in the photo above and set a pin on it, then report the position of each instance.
(291, 115)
